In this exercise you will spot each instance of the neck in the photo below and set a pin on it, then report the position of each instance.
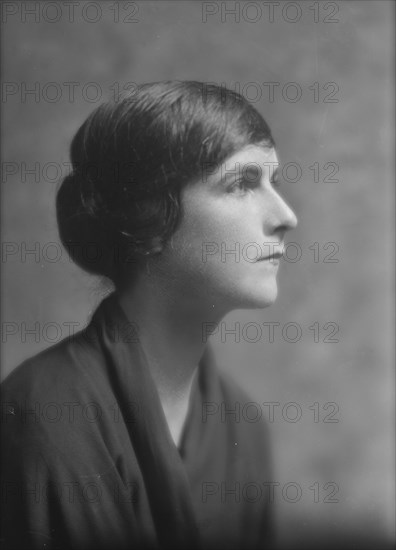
(172, 331)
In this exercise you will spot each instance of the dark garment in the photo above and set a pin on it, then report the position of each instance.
(89, 462)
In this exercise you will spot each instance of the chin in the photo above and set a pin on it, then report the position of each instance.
(259, 297)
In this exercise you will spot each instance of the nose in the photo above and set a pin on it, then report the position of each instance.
(291, 218)
(280, 216)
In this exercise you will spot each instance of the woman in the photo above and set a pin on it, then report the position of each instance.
(127, 435)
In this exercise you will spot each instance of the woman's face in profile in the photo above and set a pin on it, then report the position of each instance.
(227, 246)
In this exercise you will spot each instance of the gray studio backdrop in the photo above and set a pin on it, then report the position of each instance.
(321, 73)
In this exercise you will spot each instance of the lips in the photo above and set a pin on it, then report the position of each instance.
(274, 256)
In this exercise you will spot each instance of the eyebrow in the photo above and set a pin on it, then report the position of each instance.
(252, 169)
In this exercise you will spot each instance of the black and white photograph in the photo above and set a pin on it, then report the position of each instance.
(197, 260)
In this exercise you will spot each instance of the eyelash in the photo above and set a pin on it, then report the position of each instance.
(275, 182)
(244, 184)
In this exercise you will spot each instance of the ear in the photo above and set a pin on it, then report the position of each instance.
(156, 246)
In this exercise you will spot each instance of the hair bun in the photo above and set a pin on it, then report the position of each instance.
(81, 232)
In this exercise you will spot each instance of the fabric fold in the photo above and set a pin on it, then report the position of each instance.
(159, 459)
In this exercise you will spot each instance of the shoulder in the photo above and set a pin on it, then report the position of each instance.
(238, 423)
(49, 399)
(238, 408)
(54, 371)
(232, 388)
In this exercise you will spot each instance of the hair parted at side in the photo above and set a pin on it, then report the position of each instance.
(132, 157)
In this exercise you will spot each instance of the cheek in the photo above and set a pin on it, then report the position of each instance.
(209, 228)
(204, 252)
(199, 264)
(194, 249)
(210, 219)
(212, 237)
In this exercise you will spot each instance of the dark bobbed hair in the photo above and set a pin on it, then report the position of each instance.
(130, 160)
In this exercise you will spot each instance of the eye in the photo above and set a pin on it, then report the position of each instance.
(242, 185)
(275, 179)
